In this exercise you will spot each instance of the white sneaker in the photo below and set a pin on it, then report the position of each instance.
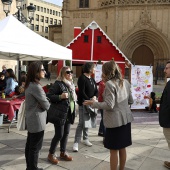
(75, 147)
(87, 143)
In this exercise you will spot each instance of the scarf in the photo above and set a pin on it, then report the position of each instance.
(71, 88)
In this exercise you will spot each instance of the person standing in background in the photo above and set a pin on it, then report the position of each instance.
(49, 75)
(4, 69)
(11, 82)
(164, 111)
(152, 103)
(2, 81)
(87, 89)
(36, 106)
(117, 115)
(100, 99)
(20, 93)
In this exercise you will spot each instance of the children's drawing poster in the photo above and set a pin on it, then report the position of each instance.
(98, 73)
(141, 85)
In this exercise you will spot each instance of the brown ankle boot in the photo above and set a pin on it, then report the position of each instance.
(65, 156)
(52, 158)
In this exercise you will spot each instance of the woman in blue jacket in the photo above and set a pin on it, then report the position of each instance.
(11, 82)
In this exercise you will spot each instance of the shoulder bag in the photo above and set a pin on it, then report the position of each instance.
(21, 125)
(57, 113)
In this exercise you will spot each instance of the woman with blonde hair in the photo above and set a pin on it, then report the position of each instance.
(63, 90)
(117, 116)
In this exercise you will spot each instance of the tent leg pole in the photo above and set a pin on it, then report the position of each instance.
(18, 70)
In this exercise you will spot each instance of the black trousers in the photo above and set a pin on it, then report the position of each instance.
(32, 148)
(61, 135)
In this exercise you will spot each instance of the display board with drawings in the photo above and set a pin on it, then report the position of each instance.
(141, 85)
(98, 73)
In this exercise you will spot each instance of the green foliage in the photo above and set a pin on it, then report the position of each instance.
(67, 62)
(99, 61)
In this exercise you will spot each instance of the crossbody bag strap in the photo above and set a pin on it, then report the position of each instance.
(62, 87)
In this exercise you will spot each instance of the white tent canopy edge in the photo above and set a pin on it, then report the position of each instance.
(18, 42)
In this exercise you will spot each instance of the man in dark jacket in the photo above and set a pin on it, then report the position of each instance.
(2, 81)
(164, 113)
(4, 69)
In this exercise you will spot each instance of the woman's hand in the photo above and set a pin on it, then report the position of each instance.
(64, 95)
(88, 102)
(94, 98)
(14, 97)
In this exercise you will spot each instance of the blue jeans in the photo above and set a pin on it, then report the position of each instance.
(102, 128)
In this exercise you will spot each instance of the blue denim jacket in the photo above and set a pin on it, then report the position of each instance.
(10, 86)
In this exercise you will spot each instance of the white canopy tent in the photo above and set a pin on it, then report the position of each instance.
(17, 42)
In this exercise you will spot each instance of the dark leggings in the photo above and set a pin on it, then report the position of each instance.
(61, 135)
(32, 148)
(102, 128)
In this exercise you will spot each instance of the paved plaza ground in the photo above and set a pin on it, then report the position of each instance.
(148, 151)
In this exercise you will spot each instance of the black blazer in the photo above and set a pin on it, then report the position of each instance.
(164, 112)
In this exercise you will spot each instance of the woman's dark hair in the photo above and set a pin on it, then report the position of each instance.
(33, 74)
(2, 74)
(23, 73)
(23, 79)
(168, 62)
(11, 73)
(153, 95)
(87, 67)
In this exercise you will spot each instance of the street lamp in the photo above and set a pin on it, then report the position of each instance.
(6, 6)
(18, 14)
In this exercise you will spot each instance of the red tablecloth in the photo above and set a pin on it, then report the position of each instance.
(9, 106)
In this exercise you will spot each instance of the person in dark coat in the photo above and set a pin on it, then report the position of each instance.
(152, 103)
(87, 90)
(164, 112)
(56, 94)
(49, 75)
(4, 69)
(2, 81)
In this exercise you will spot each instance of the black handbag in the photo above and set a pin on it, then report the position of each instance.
(57, 113)
(91, 111)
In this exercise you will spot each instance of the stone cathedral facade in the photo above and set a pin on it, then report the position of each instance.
(140, 28)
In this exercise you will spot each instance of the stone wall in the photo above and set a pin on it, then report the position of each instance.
(129, 23)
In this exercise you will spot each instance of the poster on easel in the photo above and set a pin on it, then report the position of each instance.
(98, 73)
(141, 85)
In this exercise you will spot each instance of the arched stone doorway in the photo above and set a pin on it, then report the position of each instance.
(145, 47)
(143, 55)
(149, 40)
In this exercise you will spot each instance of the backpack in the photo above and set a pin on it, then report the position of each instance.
(21, 125)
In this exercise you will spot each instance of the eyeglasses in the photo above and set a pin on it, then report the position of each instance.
(69, 72)
(42, 69)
